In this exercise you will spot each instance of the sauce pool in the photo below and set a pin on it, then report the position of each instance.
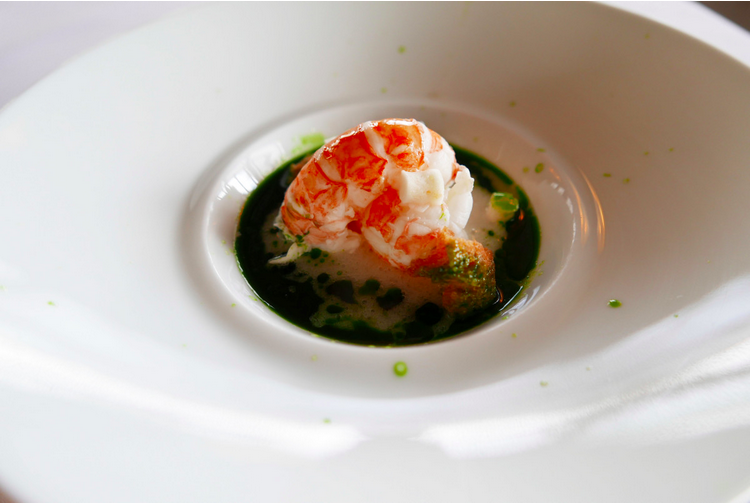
(298, 296)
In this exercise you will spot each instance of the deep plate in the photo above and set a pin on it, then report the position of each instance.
(141, 363)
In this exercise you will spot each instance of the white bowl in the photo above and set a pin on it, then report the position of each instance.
(123, 175)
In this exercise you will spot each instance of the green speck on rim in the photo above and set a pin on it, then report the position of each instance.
(314, 358)
(539, 168)
(384, 90)
(513, 335)
(675, 316)
(615, 303)
(402, 49)
(400, 369)
(512, 103)
(541, 149)
(327, 420)
(671, 149)
(626, 180)
(233, 305)
(50, 303)
(506, 317)
(607, 175)
(646, 152)
(525, 169)
(543, 383)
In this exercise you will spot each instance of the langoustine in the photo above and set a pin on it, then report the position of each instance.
(395, 186)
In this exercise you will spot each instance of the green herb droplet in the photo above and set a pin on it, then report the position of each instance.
(370, 287)
(392, 298)
(400, 369)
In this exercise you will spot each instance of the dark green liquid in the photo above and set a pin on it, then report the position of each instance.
(297, 301)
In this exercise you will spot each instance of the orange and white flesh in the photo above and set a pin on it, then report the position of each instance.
(394, 186)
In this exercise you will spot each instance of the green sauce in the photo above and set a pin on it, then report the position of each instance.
(297, 301)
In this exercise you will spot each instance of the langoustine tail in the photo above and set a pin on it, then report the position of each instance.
(466, 271)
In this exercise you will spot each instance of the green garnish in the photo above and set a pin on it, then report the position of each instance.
(315, 253)
(370, 287)
(615, 303)
(540, 166)
(504, 204)
(342, 289)
(392, 298)
(308, 142)
(400, 369)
